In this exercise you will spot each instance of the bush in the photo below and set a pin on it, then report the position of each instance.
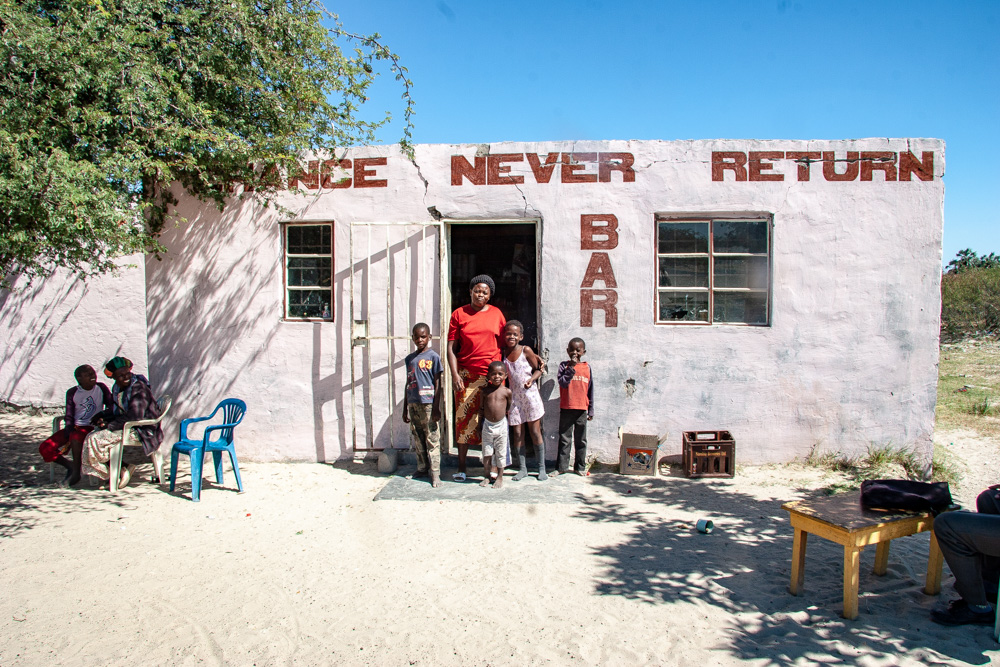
(885, 462)
(970, 304)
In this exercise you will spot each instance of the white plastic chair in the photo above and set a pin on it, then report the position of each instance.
(115, 464)
(56, 427)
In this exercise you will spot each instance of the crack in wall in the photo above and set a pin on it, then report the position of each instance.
(535, 212)
(413, 158)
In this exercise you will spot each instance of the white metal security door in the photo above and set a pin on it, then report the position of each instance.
(396, 279)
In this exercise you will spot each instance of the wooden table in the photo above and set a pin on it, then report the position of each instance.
(841, 519)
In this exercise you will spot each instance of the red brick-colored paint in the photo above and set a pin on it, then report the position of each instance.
(309, 177)
(316, 174)
(573, 168)
(884, 161)
(804, 160)
(574, 162)
(588, 230)
(608, 162)
(461, 168)
(760, 165)
(498, 173)
(760, 161)
(363, 175)
(329, 168)
(829, 166)
(598, 299)
(734, 161)
(542, 172)
(924, 168)
(599, 268)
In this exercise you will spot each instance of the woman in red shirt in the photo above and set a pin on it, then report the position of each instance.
(473, 342)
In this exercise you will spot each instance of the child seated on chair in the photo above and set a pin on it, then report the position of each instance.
(496, 404)
(83, 402)
(132, 400)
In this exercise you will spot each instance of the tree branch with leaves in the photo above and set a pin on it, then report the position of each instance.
(105, 104)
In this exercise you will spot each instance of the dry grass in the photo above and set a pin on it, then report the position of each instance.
(884, 463)
(969, 387)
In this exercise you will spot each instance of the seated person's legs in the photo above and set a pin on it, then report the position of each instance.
(52, 451)
(965, 539)
(988, 502)
(97, 454)
(76, 439)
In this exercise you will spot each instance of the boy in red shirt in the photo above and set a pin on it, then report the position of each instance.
(576, 407)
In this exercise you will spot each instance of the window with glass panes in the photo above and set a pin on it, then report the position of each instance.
(309, 271)
(713, 271)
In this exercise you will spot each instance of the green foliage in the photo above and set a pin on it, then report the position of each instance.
(967, 259)
(877, 462)
(884, 462)
(970, 303)
(104, 104)
(981, 406)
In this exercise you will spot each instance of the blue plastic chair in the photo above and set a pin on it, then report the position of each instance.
(233, 410)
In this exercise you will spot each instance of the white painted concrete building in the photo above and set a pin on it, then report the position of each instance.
(786, 291)
(50, 327)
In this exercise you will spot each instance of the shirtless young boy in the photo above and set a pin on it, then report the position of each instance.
(496, 403)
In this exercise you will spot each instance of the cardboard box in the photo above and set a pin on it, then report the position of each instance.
(639, 454)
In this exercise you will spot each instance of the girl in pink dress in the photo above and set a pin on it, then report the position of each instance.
(524, 367)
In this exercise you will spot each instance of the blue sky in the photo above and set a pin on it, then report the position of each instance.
(775, 69)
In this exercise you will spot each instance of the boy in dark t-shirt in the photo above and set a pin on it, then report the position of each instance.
(422, 404)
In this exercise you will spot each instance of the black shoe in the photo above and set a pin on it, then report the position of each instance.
(958, 613)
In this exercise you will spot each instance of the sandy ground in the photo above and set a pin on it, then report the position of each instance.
(307, 568)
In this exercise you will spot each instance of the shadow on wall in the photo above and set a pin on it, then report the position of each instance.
(31, 319)
(215, 313)
(400, 295)
(200, 320)
(744, 566)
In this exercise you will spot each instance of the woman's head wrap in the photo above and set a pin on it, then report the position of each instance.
(115, 364)
(484, 279)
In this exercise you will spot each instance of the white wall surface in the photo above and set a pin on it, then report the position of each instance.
(54, 325)
(848, 361)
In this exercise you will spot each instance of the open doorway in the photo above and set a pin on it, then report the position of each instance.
(505, 251)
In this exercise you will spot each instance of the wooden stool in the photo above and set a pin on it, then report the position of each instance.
(841, 519)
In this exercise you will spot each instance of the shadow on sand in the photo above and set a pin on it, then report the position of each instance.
(662, 560)
(28, 498)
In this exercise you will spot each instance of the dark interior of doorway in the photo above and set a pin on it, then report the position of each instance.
(506, 252)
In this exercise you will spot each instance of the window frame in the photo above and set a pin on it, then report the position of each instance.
(711, 254)
(285, 256)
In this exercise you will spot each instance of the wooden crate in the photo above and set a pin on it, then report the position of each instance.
(708, 454)
(638, 454)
